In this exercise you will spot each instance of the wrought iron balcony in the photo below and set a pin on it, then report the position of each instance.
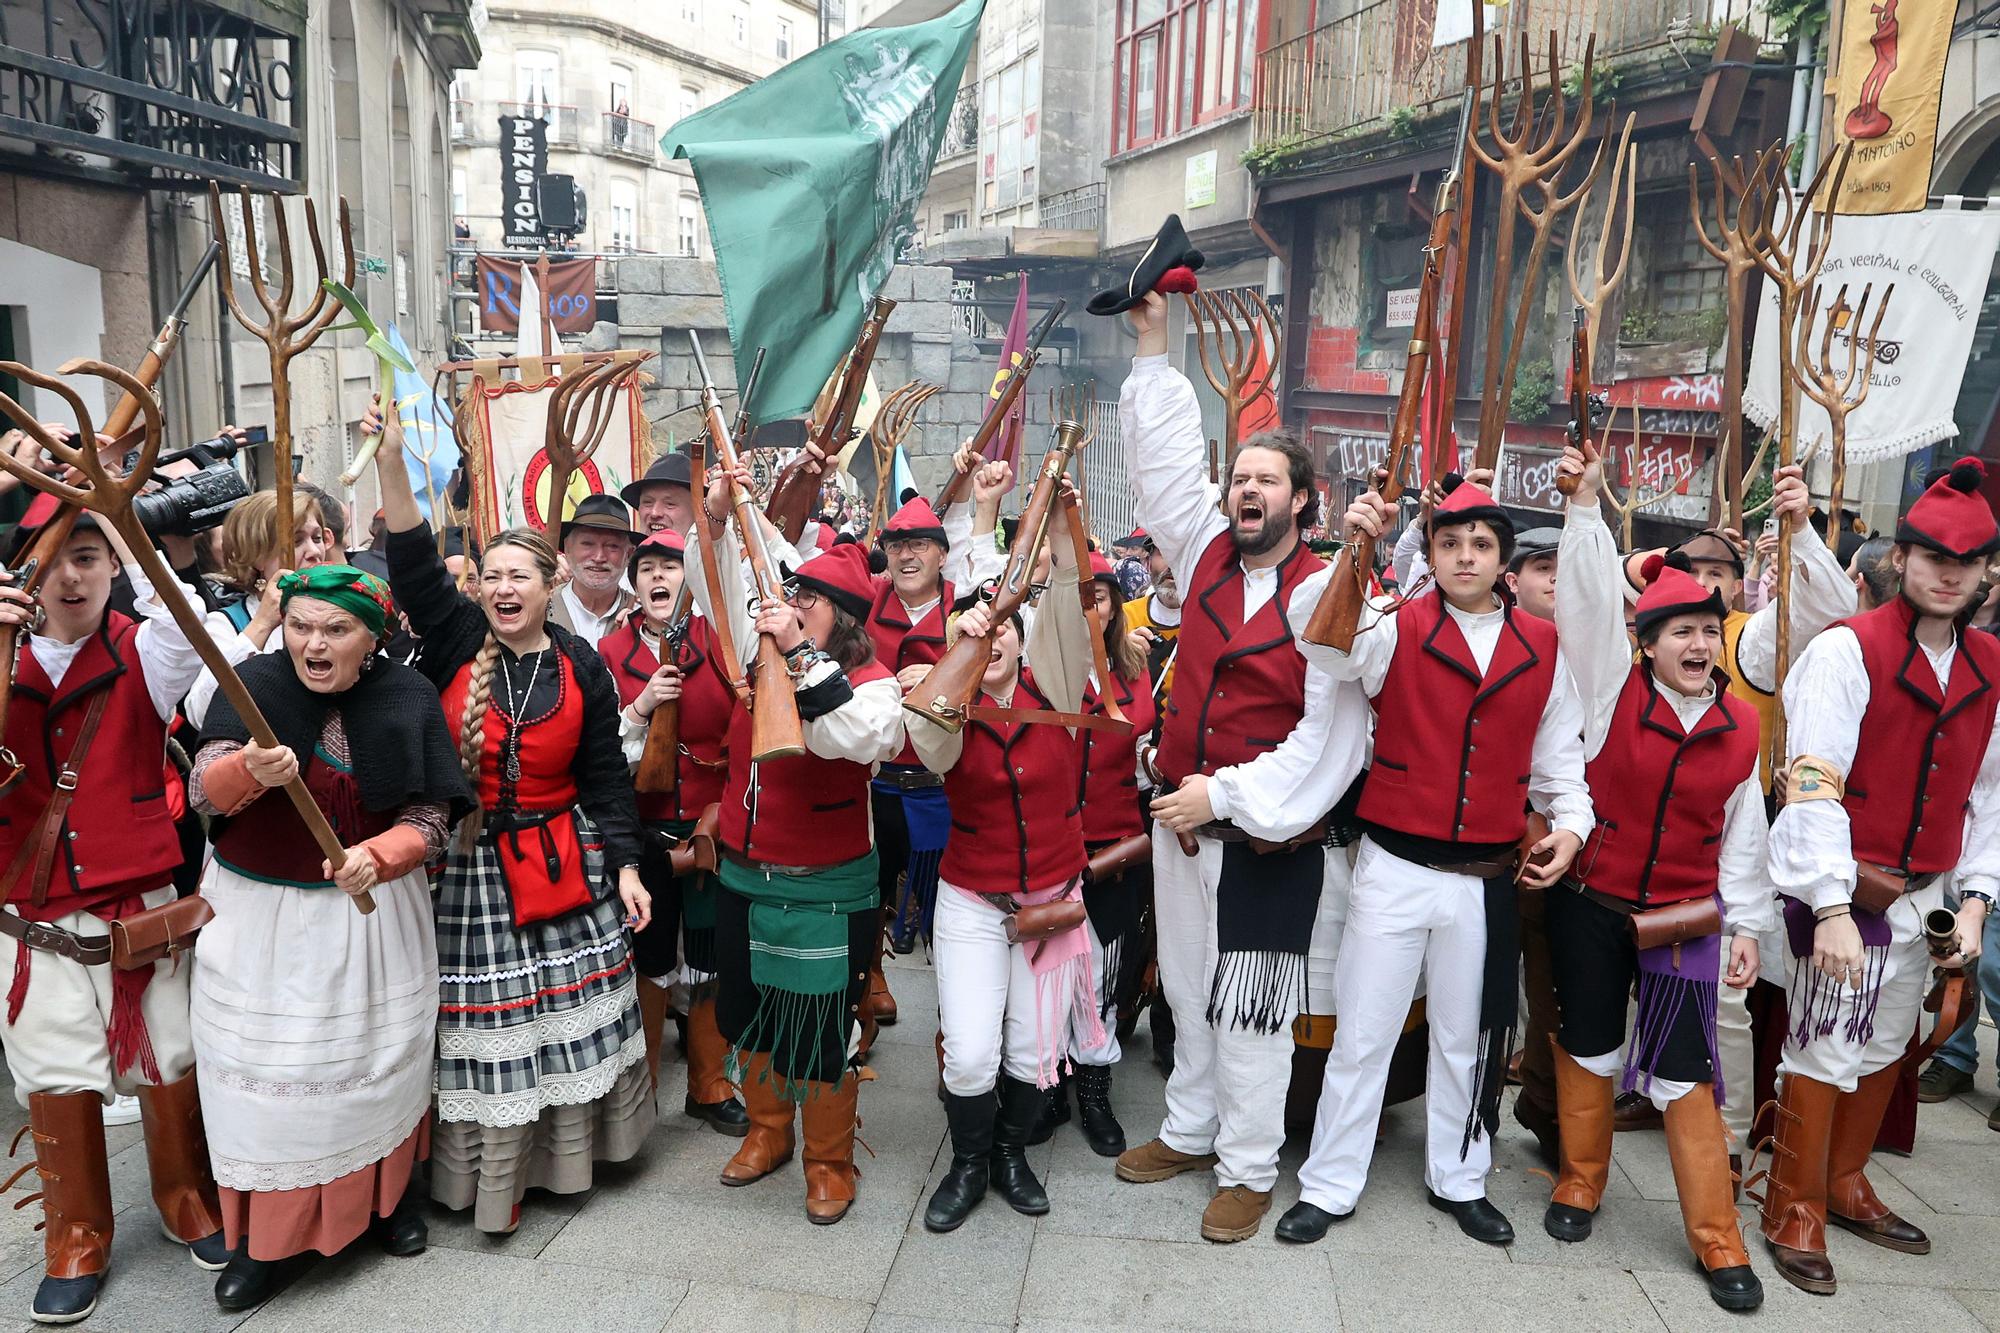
(565, 122)
(630, 137)
(961, 131)
(1081, 209)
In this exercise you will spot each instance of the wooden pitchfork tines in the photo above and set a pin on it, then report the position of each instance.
(1533, 152)
(1234, 323)
(1624, 170)
(1733, 179)
(284, 334)
(886, 433)
(579, 414)
(1832, 386)
(109, 496)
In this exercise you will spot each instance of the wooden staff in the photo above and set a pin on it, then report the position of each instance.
(283, 334)
(110, 498)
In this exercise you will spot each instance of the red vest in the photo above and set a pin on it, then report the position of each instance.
(1452, 747)
(1110, 777)
(898, 643)
(1920, 747)
(1239, 686)
(810, 811)
(548, 744)
(1660, 794)
(118, 837)
(1016, 822)
(704, 720)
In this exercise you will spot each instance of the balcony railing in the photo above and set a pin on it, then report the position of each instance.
(565, 122)
(461, 121)
(628, 136)
(1081, 209)
(961, 131)
(1358, 68)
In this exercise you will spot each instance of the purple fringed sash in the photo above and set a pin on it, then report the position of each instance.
(1815, 1008)
(1670, 976)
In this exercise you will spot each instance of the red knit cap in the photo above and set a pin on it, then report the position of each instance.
(664, 542)
(1672, 590)
(841, 574)
(1100, 567)
(1466, 503)
(915, 519)
(1951, 516)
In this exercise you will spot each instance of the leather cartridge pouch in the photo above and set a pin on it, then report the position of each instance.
(697, 851)
(166, 931)
(1114, 860)
(1525, 856)
(1034, 923)
(1676, 924)
(1877, 888)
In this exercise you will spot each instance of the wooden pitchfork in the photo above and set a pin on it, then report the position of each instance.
(1791, 253)
(579, 414)
(1625, 170)
(1628, 505)
(1534, 151)
(1235, 322)
(885, 435)
(1829, 385)
(110, 498)
(283, 334)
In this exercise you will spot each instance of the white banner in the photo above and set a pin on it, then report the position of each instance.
(1940, 262)
(513, 419)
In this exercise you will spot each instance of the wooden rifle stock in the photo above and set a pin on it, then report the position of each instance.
(1580, 397)
(953, 683)
(997, 411)
(658, 773)
(796, 491)
(774, 711)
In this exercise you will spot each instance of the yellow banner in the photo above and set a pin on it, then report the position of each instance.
(1892, 56)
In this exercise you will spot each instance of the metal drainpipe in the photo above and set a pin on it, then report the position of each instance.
(1809, 159)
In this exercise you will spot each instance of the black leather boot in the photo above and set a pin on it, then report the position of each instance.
(403, 1230)
(1010, 1176)
(246, 1283)
(964, 1183)
(1101, 1129)
(1054, 1113)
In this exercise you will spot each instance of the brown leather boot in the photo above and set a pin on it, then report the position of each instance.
(769, 1143)
(653, 1024)
(177, 1158)
(1698, 1146)
(880, 1004)
(711, 1097)
(828, 1115)
(68, 1130)
(1851, 1203)
(1584, 1111)
(1795, 1187)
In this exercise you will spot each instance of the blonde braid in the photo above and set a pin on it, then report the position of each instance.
(472, 733)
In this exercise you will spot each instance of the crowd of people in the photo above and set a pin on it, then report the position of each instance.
(1542, 767)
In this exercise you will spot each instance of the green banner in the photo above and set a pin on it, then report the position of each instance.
(811, 180)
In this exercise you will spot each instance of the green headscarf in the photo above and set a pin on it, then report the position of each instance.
(352, 590)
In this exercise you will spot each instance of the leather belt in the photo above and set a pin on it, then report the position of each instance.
(1223, 831)
(765, 868)
(911, 780)
(89, 950)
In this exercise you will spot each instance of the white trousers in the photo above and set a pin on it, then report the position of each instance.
(1837, 1059)
(1736, 1053)
(61, 1042)
(1227, 1093)
(1335, 889)
(986, 997)
(1404, 921)
(1106, 1052)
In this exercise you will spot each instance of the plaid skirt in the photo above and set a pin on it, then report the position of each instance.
(529, 1017)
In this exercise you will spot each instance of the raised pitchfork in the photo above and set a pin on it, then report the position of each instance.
(579, 414)
(1234, 323)
(109, 496)
(284, 335)
(1829, 384)
(885, 435)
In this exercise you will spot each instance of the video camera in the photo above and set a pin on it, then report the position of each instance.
(184, 506)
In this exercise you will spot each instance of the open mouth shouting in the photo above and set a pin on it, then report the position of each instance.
(660, 598)
(318, 669)
(507, 613)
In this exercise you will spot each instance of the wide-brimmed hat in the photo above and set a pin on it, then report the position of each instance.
(672, 469)
(607, 512)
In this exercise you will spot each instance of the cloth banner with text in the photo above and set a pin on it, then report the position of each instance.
(570, 294)
(512, 490)
(1940, 262)
(1892, 55)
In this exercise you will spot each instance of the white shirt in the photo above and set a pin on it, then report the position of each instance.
(1590, 621)
(1284, 792)
(1821, 594)
(587, 624)
(166, 658)
(1812, 848)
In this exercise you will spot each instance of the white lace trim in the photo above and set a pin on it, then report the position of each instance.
(508, 1110)
(268, 1177)
(285, 1088)
(525, 1039)
(535, 965)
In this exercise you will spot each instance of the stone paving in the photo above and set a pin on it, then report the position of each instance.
(659, 1245)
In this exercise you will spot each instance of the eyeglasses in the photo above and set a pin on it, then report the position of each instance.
(801, 598)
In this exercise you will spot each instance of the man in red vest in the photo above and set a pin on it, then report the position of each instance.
(1235, 917)
(1475, 718)
(1893, 782)
(88, 840)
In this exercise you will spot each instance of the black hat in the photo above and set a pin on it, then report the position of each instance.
(1168, 265)
(1710, 545)
(1533, 542)
(674, 469)
(599, 511)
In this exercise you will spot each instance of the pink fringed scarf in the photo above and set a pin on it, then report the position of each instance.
(1063, 978)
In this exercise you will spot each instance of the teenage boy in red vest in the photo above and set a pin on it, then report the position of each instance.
(683, 925)
(1235, 920)
(1894, 781)
(1672, 768)
(1476, 716)
(88, 840)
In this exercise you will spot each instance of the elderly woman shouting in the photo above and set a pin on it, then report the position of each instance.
(314, 1026)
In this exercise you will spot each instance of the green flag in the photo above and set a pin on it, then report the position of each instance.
(811, 179)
